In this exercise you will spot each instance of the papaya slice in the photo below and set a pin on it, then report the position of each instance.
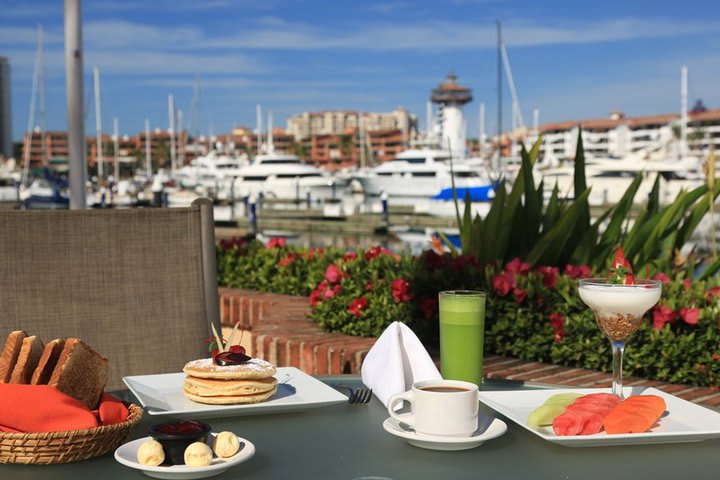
(636, 414)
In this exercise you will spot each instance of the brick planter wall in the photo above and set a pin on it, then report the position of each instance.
(282, 333)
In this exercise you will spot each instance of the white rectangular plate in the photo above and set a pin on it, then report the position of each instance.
(683, 421)
(163, 395)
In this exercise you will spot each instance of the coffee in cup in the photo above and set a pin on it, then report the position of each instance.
(439, 407)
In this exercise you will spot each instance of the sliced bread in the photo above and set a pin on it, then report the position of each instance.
(10, 353)
(30, 353)
(47, 363)
(80, 372)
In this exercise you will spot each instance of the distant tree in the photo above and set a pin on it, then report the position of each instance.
(162, 153)
(346, 146)
(17, 151)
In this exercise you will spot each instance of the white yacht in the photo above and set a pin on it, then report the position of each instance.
(610, 178)
(420, 172)
(284, 176)
(211, 172)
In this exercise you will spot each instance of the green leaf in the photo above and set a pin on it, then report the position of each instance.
(550, 248)
(711, 270)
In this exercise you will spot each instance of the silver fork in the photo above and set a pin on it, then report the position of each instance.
(359, 396)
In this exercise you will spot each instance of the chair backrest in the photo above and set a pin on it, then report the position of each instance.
(138, 285)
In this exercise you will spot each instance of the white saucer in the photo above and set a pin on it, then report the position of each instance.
(488, 428)
(127, 455)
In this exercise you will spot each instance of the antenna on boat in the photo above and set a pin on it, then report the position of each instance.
(683, 111)
(181, 142)
(98, 126)
(428, 119)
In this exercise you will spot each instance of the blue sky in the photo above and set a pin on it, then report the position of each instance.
(570, 59)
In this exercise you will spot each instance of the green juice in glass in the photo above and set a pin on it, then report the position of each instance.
(462, 331)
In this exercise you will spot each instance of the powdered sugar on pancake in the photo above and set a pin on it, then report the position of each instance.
(207, 368)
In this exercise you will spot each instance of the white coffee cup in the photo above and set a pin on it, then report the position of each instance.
(447, 408)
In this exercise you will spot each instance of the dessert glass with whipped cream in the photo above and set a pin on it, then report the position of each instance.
(619, 310)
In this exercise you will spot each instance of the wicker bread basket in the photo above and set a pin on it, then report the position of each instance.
(65, 447)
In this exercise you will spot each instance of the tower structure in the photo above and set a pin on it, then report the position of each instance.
(450, 98)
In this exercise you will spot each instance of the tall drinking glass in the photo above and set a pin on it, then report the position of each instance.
(462, 331)
(619, 310)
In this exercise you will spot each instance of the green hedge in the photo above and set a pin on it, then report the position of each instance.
(531, 313)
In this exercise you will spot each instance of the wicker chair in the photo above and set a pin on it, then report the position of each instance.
(139, 286)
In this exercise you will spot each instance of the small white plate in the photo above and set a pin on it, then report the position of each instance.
(163, 395)
(127, 455)
(488, 428)
(682, 422)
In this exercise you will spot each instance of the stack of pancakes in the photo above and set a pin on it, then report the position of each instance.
(70, 365)
(250, 382)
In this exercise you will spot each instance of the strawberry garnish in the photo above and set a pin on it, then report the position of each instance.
(621, 270)
(237, 349)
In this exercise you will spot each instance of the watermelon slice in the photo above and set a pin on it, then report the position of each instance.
(585, 415)
(621, 270)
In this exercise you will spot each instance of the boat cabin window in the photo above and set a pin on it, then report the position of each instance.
(7, 182)
(423, 174)
(255, 178)
(288, 161)
(465, 174)
(411, 160)
(615, 174)
(296, 175)
(385, 174)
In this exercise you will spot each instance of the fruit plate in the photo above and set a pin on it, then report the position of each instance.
(682, 421)
(163, 395)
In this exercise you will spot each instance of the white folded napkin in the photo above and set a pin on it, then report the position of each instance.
(396, 361)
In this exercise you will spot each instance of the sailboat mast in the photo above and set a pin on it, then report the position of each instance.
(98, 126)
(31, 114)
(116, 147)
(148, 158)
(271, 147)
(683, 111)
(181, 143)
(499, 89)
(258, 123)
(481, 134)
(361, 138)
(41, 91)
(171, 132)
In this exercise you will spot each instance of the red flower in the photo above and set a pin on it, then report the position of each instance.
(401, 290)
(287, 260)
(315, 297)
(662, 277)
(369, 286)
(228, 244)
(581, 271)
(687, 284)
(428, 306)
(276, 242)
(519, 295)
(549, 275)
(357, 306)
(503, 283)
(661, 315)
(433, 261)
(333, 274)
(331, 292)
(557, 320)
(689, 315)
(712, 294)
(375, 252)
(517, 266)
(349, 256)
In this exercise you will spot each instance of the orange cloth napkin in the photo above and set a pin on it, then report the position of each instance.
(41, 408)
